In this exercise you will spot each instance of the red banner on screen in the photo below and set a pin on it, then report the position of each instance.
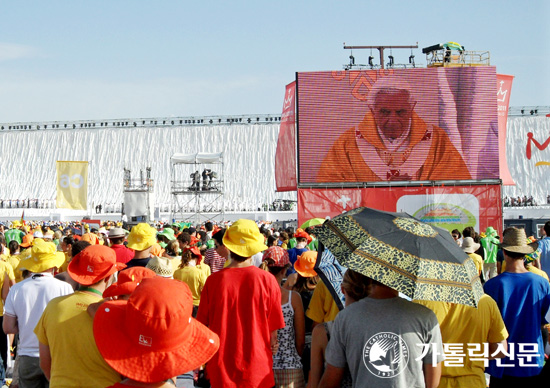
(453, 207)
(285, 156)
(397, 125)
(504, 88)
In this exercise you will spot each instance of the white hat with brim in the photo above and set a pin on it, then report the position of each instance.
(469, 245)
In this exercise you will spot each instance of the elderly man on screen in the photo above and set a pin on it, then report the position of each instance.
(392, 143)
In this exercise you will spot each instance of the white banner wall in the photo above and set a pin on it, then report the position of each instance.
(27, 164)
(529, 165)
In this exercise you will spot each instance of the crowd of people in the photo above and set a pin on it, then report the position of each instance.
(520, 201)
(241, 305)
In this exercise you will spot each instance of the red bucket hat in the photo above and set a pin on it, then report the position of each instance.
(152, 336)
(128, 280)
(94, 263)
(303, 234)
(196, 251)
(278, 255)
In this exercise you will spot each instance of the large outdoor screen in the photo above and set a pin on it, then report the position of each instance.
(428, 124)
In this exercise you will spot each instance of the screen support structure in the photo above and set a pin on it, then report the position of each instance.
(145, 185)
(197, 188)
(380, 50)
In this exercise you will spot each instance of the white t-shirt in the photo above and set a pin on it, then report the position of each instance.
(27, 300)
(257, 259)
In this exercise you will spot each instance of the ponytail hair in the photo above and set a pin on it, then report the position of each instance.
(267, 265)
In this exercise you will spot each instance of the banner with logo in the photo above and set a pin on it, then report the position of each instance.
(528, 154)
(72, 185)
(452, 207)
(285, 156)
(504, 88)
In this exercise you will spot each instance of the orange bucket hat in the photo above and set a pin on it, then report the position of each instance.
(93, 264)
(27, 240)
(152, 336)
(91, 238)
(305, 264)
(128, 280)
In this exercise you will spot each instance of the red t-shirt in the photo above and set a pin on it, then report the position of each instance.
(123, 254)
(242, 306)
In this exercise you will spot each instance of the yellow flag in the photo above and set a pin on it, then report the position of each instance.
(72, 185)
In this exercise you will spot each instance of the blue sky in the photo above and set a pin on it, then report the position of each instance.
(70, 60)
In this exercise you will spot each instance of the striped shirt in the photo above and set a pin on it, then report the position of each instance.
(214, 260)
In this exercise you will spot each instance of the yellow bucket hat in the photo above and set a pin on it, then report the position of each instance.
(141, 237)
(43, 256)
(244, 238)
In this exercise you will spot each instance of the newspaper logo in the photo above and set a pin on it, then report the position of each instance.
(145, 341)
(386, 355)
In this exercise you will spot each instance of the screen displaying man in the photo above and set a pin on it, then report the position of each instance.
(392, 143)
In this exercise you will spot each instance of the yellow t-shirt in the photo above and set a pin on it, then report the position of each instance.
(195, 278)
(4, 268)
(322, 307)
(13, 261)
(205, 268)
(67, 329)
(530, 268)
(175, 262)
(461, 324)
(478, 261)
(536, 271)
(64, 266)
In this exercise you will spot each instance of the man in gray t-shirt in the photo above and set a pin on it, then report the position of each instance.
(385, 341)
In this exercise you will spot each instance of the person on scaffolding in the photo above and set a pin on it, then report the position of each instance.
(206, 183)
(196, 177)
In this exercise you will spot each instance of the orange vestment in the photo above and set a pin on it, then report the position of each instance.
(359, 155)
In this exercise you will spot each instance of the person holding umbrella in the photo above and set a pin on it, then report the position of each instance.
(399, 344)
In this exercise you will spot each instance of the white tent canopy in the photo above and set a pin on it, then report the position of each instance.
(197, 158)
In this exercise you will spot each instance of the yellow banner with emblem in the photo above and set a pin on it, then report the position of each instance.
(72, 185)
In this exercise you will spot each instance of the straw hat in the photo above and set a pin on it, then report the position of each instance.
(244, 238)
(43, 256)
(305, 264)
(128, 280)
(162, 266)
(93, 264)
(469, 246)
(152, 336)
(515, 240)
(141, 237)
(278, 255)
